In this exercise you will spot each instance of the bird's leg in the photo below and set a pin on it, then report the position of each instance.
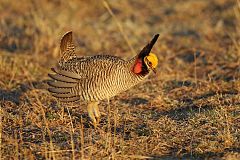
(93, 113)
(96, 112)
(90, 109)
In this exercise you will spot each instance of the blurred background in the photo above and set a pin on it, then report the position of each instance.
(36, 27)
(194, 94)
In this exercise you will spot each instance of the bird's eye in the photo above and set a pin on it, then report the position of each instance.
(149, 63)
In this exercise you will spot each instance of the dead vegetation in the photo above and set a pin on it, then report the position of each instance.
(190, 109)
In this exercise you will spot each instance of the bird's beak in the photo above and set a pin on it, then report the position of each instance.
(154, 70)
(151, 67)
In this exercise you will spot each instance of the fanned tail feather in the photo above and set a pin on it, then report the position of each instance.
(62, 85)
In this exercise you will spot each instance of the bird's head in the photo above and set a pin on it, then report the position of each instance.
(146, 60)
(151, 61)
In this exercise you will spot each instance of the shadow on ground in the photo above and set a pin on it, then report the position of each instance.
(14, 94)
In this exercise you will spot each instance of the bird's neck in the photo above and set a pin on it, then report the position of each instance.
(138, 67)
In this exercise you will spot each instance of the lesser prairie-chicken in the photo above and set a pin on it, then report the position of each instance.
(94, 78)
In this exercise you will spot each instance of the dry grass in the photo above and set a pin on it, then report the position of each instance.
(190, 109)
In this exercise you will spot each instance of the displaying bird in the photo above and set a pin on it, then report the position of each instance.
(94, 78)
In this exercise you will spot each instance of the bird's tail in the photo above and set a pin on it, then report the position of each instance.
(67, 49)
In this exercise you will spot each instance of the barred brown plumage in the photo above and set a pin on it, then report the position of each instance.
(94, 78)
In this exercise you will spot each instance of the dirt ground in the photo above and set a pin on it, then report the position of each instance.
(189, 110)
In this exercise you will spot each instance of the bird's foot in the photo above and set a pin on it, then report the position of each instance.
(94, 124)
(94, 113)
